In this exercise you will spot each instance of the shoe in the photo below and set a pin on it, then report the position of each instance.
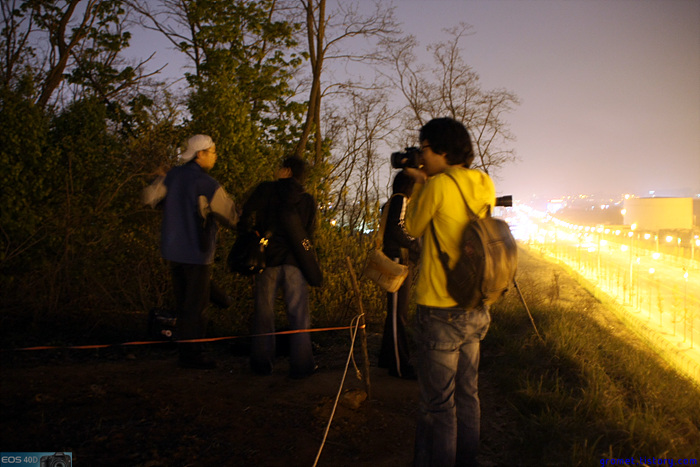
(197, 362)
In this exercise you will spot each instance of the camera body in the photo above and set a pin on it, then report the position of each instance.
(506, 201)
(410, 157)
(55, 460)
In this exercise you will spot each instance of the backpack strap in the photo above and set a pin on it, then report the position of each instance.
(444, 257)
(470, 213)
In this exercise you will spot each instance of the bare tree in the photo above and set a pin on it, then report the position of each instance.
(177, 21)
(452, 88)
(326, 34)
(357, 134)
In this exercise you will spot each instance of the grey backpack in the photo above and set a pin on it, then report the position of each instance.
(487, 262)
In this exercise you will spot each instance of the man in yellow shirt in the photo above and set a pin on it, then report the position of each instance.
(447, 337)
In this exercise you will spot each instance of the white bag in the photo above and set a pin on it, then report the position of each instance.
(386, 273)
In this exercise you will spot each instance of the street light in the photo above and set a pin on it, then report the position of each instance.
(631, 265)
(669, 239)
(651, 281)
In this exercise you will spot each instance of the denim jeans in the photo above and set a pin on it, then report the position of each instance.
(296, 298)
(447, 364)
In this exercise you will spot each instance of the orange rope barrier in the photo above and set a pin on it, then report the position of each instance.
(211, 339)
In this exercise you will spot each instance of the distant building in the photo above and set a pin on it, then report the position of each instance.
(661, 213)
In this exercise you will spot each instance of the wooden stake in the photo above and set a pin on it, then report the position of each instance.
(363, 333)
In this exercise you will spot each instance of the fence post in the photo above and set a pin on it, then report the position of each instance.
(363, 331)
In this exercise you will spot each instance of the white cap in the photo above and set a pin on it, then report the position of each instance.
(194, 144)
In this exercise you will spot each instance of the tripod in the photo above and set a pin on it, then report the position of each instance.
(522, 299)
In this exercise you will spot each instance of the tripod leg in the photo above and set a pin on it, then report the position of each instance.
(522, 299)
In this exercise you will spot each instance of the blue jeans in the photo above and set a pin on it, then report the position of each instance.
(447, 364)
(296, 297)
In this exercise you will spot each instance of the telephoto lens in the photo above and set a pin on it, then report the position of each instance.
(505, 201)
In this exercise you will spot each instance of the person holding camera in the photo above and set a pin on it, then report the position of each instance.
(193, 204)
(447, 337)
(404, 249)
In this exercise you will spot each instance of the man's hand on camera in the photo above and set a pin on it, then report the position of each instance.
(416, 174)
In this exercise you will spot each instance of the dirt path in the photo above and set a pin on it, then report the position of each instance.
(139, 409)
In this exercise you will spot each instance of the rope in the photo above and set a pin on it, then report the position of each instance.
(210, 339)
(353, 335)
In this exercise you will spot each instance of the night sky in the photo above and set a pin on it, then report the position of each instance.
(609, 90)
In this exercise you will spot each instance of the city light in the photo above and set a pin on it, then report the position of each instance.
(631, 264)
(638, 273)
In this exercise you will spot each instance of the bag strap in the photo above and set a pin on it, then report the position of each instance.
(470, 213)
(444, 257)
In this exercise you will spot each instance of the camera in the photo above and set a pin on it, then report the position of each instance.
(56, 460)
(505, 201)
(410, 157)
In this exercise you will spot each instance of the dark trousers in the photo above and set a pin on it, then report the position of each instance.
(191, 285)
(394, 353)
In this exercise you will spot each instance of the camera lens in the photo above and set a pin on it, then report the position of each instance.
(409, 158)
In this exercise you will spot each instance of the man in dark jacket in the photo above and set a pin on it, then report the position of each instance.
(285, 210)
(193, 202)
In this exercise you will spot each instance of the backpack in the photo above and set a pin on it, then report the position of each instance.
(487, 262)
(247, 255)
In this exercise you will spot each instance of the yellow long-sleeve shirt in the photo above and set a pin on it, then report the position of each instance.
(439, 200)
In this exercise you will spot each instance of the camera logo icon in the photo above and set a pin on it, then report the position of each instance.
(58, 459)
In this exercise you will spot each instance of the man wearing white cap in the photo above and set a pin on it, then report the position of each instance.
(193, 202)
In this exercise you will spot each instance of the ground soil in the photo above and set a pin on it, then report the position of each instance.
(134, 407)
(139, 409)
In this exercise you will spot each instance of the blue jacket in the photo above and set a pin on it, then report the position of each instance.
(192, 204)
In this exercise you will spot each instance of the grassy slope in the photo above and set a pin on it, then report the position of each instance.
(590, 391)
